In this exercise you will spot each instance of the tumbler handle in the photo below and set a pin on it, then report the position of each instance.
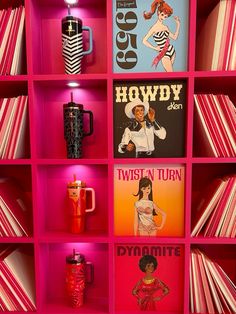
(86, 28)
(89, 279)
(90, 122)
(89, 210)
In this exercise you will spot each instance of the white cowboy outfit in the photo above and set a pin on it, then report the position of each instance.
(141, 136)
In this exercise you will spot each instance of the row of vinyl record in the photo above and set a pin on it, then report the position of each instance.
(211, 288)
(214, 215)
(17, 281)
(13, 115)
(216, 47)
(216, 121)
(15, 210)
(11, 40)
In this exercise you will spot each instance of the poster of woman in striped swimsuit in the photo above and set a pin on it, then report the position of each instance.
(162, 35)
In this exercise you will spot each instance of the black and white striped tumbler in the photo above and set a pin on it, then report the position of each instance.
(72, 43)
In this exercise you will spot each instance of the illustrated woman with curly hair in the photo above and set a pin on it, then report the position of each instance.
(145, 210)
(162, 35)
(149, 289)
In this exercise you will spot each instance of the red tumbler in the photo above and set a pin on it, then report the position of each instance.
(79, 196)
(78, 274)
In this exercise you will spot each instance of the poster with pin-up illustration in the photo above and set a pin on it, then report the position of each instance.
(150, 35)
(149, 118)
(149, 199)
(149, 278)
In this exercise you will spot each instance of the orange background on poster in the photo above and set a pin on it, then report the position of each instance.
(167, 195)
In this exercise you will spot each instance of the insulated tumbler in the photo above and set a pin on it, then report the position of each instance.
(74, 127)
(72, 43)
(78, 196)
(78, 274)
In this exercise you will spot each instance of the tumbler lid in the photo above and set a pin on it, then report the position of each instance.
(75, 258)
(72, 104)
(76, 183)
(71, 18)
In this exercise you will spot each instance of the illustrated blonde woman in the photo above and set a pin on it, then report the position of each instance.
(145, 210)
(162, 35)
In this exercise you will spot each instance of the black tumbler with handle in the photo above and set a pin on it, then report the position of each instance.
(74, 127)
(72, 43)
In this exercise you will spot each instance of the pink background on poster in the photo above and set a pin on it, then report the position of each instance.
(170, 270)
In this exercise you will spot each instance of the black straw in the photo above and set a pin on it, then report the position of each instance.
(68, 9)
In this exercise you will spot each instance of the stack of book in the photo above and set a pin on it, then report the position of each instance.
(216, 43)
(211, 290)
(17, 282)
(15, 210)
(215, 121)
(216, 214)
(11, 40)
(13, 112)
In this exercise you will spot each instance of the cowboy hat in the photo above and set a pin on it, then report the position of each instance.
(136, 102)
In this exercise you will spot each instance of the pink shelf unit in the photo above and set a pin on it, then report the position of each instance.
(45, 33)
(52, 265)
(48, 99)
(53, 211)
(45, 170)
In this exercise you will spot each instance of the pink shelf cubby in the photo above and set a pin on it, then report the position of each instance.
(52, 203)
(49, 97)
(45, 30)
(52, 264)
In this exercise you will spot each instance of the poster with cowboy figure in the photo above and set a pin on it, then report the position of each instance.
(150, 36)
(149, 118)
